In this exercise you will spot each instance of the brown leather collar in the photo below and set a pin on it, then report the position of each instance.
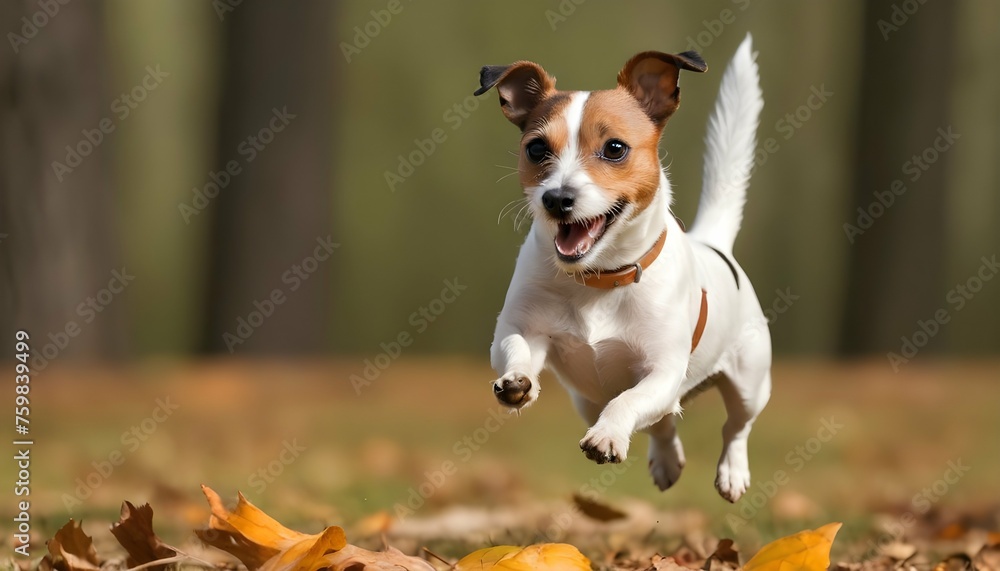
(633, 273)
(626, 275)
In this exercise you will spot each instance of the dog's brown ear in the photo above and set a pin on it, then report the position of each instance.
(521, 85)
(651, 77)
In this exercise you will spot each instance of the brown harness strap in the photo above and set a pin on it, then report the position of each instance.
(702, 320)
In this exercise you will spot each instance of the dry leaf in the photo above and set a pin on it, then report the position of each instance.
(260, 542)
(666, 564)
(376, 524)
(988, 558)
(725, 557)
(71, 550)
(806, 550)
(542, 556)
(134, 531)
(597, 510)
(957, 562)
(353, 558)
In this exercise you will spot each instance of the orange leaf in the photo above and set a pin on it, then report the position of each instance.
(134, 531)
(72, 550)
(806, 550)
(542, 556)
(263, 544)
(260, 542)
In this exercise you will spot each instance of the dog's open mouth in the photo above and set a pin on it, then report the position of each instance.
(575, 239)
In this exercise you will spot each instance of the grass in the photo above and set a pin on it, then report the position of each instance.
(366, 453)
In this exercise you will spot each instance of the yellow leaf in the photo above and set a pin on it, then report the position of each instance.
(263, 544)
(543, 556)
(806, 550)
(260, 542)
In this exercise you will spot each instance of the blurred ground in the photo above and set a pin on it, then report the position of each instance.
(838, 442)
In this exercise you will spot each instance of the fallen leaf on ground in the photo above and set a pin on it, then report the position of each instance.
(666, 564)
(260, 542)
(134, 531)
(724, 558)
(542, 556)
(71, 550)
(988, 558)
(353, 558)
(597, 510)
(806, 550)
(375, 524)
(957, 562)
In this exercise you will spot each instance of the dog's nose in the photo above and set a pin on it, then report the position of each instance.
(559, 201)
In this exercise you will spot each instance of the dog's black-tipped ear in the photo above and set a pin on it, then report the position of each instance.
(652, 78)
(489, 76)
(521, 85)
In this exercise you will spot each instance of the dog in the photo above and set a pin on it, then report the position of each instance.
(631, 313)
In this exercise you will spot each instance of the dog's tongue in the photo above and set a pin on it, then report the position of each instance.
(576, 239)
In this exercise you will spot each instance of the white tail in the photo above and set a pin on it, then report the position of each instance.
(729, 154)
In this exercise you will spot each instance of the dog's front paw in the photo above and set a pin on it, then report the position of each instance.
(602, 445)
(515, 390)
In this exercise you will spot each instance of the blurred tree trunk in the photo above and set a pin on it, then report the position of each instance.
(896, 268)
(57, 224)
(275, 126)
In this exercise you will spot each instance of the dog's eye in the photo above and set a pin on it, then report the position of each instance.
(536, 150)
(614, 150)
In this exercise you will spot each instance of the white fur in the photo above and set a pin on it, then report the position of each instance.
(729, 151)
(624, 354)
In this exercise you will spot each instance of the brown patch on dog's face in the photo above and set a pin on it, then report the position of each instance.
(610, 119)
(546, 123)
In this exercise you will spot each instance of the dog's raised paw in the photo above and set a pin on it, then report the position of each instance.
(513, 390)
(604, 447)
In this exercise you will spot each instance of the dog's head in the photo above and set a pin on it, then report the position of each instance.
(588, 161)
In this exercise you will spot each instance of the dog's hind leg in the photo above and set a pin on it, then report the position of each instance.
(745, 394)
(666, 453)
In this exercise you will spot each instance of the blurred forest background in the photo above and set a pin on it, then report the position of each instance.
(358, 178)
